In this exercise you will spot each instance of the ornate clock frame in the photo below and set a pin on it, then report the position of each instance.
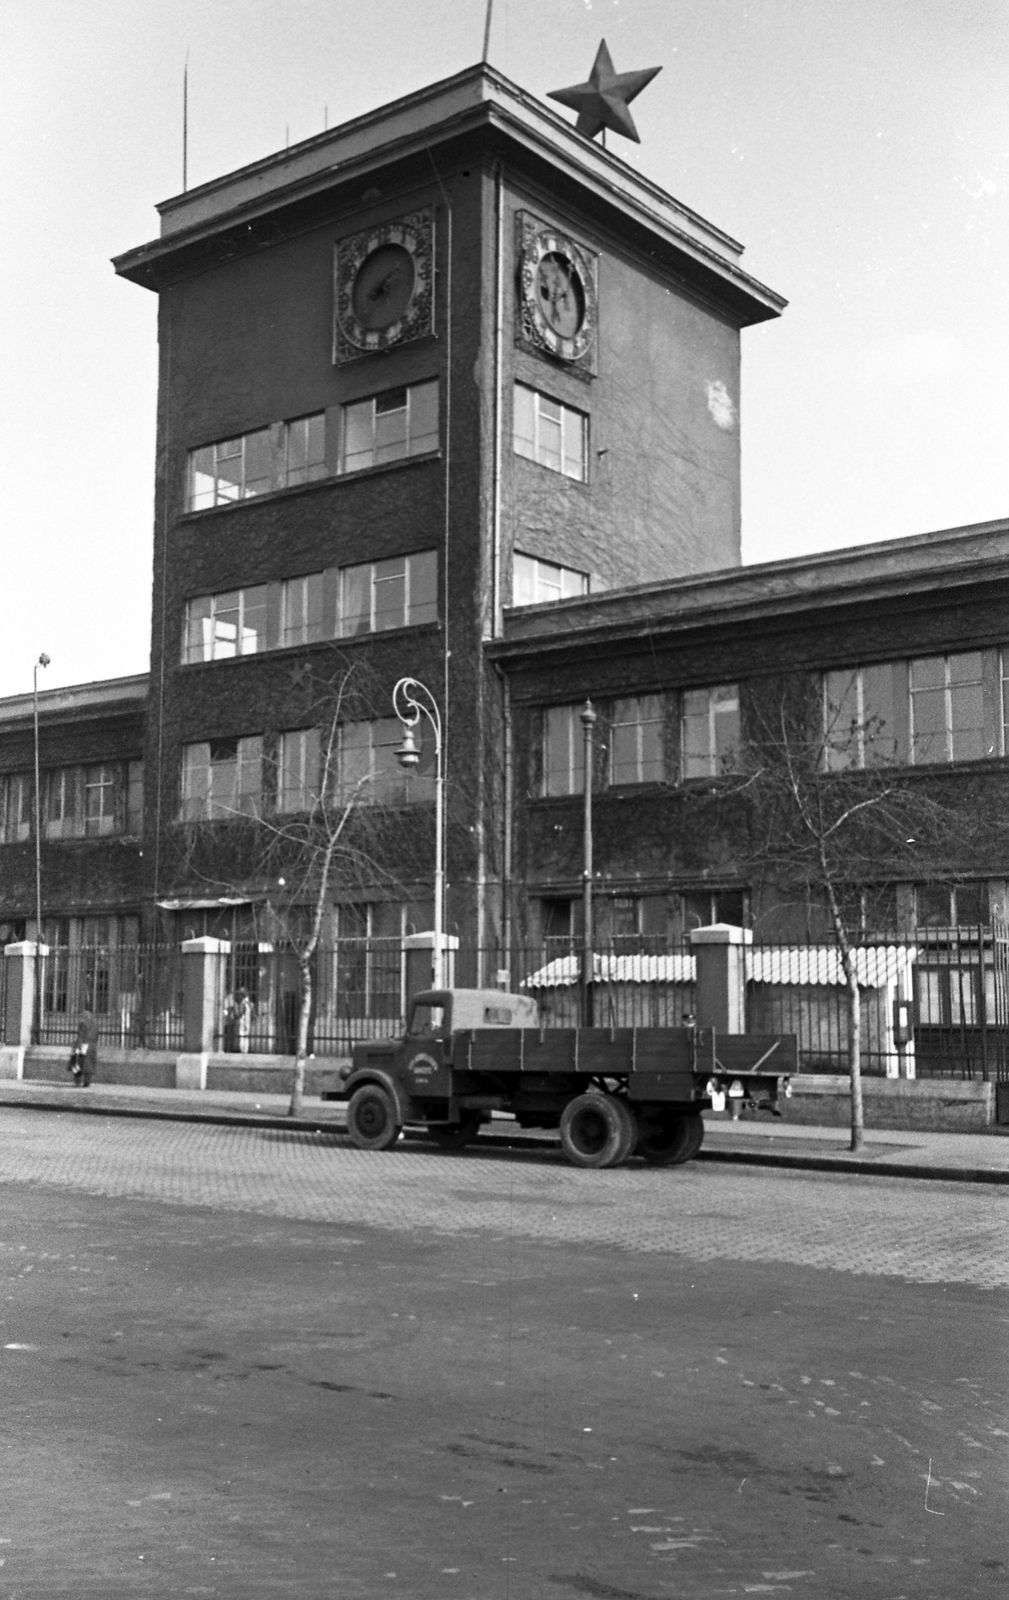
(536, 240)
(413, 233)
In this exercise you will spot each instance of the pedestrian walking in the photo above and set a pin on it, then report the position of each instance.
(84, 1058)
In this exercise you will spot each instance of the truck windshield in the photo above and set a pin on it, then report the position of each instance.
(428, 1019)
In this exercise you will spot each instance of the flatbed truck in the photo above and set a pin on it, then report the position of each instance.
(611, 1092)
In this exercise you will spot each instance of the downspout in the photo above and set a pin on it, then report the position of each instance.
(508, 808)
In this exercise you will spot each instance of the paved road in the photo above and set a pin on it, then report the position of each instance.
(239, 1362)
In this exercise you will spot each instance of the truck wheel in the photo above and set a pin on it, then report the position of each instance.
(371, 1118)
(455, 1135)
(667, 1140)
(597, 1130)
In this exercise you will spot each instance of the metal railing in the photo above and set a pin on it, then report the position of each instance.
(134, 991)
(953, 984)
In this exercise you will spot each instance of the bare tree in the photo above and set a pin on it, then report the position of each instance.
(316, 832)
(826, 810)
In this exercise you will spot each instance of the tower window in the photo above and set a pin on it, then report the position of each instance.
(389, 426)
(396, 593)
(550, 433)
(535, 582)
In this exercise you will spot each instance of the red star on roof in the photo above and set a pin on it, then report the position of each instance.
(602, 102)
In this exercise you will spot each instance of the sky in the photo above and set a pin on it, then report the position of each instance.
(859, 149)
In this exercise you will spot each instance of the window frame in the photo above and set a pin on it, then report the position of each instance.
(241, 648)
(711, 755)
(207, 808)
(569, 418)
(415, 443)
(539, 569)
(410, 577)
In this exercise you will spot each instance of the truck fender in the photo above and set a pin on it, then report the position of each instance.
(357, 1080)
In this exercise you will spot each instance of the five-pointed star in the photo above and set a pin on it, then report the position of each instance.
(603, 101)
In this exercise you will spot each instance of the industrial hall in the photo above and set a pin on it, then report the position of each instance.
(448, 593)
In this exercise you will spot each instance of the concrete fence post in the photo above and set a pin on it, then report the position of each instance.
(19, 1008)
(720, 954)
(202, 1007)
(418, 949)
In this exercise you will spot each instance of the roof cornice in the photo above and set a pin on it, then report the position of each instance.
(933, 562)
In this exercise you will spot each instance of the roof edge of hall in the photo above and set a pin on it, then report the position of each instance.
(477, 97)
(955, 557)
(103, 694)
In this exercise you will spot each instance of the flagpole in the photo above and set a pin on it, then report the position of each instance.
(486, 31)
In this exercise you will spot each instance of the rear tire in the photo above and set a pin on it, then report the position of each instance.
(667, 1139)
(371, 1118)
(455, 1135)
(597, 1130)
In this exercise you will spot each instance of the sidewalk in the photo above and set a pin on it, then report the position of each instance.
(946, 1157)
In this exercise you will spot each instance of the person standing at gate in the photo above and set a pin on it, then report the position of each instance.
(86, 1047)
(246, 1012)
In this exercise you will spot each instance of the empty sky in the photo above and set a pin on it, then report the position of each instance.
(858, 148)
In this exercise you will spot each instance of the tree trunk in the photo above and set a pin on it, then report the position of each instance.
(301, 1055)
(855, 1060)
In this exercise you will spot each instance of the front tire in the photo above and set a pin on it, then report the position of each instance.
(371, 1118)
(667, 1139)
(597, 1130)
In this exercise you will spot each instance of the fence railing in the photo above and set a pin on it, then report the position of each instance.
(953, 983)
(135, 993)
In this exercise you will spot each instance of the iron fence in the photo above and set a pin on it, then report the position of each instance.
(951, 985)
(134, 991)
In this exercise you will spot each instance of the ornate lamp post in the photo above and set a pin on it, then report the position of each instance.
(43, 661)
(411, 700)
(589, 720)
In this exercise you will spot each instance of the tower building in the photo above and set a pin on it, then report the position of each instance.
(448, 358)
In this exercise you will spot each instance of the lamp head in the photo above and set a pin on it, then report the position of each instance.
(43, 660)
(407, 753)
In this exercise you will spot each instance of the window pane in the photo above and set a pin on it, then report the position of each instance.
(524, 584)
(306, 449)
(967, 720)
(135, 797)
(928, 672)
(228, 471)
(524, 431)
(358, 435)
(698, 761)
(199, 636)
(563, 751)
(423, 418)
(928, 710)
(389, 578)
(201, 478)
(195, 780)
(390, 426)
(841, 742)
(929, 986)
(573, 583)
(574, 444)
(549, 435)
(423, 572)
(725, 701)
(253, 619)
(880, 740)
(355, 759)
(298, 777)
(250, 774)
(258, 462)
(355, 608)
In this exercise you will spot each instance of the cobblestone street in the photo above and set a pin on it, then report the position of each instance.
(928, 1234)
(241, 1362)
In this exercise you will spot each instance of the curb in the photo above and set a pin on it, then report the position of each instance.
(526, 1141)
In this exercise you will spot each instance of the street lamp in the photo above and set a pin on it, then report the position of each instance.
(43, 661)
(410, 700)
(589, 719)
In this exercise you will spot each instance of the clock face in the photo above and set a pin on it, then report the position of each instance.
(383, 286)
(561, 294)
(558, 304)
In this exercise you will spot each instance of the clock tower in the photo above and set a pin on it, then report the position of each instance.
(444, 359)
